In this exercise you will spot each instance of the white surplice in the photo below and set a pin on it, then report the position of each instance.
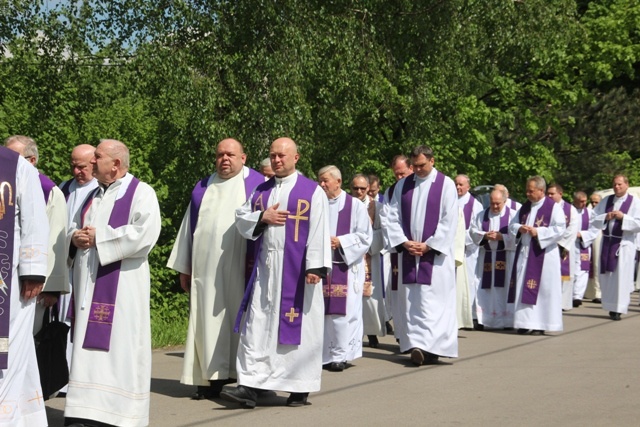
(546, 314)
(343, 333)
(262, 362)
(113, 386)
(374, 312)
(586, 239)
(20, 391)
(428, 311)
(492, 307)
(568, 243)
(215, 258)
(617, 286)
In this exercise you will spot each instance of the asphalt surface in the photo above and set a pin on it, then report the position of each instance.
(587, 375)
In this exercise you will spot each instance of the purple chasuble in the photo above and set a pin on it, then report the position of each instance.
(500, 266)
(535, 261)
(611, 242)
(66, 189)
(9, 162)
(421, 274)
(101, 313)
(47, 186)
(294, 257)
(585, 260)
(335, 286)
(468, 211)
(565, 261)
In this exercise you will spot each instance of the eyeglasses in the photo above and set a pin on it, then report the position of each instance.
(358, 188)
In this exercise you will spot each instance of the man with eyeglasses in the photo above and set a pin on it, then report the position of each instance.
(421, 224)
(373, 308)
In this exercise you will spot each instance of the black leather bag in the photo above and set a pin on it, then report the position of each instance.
(51, 352)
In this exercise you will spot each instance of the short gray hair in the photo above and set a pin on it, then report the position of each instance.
(30, 146)
(539, 181)
(331, 169)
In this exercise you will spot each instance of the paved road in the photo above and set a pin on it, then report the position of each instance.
(588, 375)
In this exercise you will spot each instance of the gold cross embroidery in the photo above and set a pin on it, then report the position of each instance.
(540, 221)
(395, 270)
(299, 216)
(292, 315)
(38, 397)
(532, 284)
(101, 313)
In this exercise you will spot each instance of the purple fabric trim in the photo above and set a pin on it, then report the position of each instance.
(500, 266)
(565, 261)
(585, 259)
(47, 186)
(468, 210)
(8, 196)
(66, 189)
(197, 194)
(535, 261)
(422, 274)
(513, 204)
(101, 312)
(611, 242)
(393, 259)
(336, 285)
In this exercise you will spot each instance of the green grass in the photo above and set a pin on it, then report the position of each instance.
(168, 333)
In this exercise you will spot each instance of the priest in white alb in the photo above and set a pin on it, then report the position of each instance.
(111, 238)
(618, 216)
(281, 332)
(374, 311)
(535, 287)
(422, 220)
(351, 237)
(23, 250)
(587, 234)
(210, 255)
(490, 230)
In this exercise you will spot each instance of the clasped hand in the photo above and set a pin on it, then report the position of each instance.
(416, 248)
(84, 238)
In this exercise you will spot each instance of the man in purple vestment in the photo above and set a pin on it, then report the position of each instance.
(281, 316)
(209, 254)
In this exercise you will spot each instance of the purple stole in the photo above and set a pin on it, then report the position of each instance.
(611, 242)
(101, 313)
(565, 262)
(335, 287)
(47, 186)
(9, 162)
(293, 265)
(393, 258)
(585, 261)
(468, 210)
(501, 255)
(535, 262)
(250, 182)
(421, 274)
(66, 189)
(513, 204)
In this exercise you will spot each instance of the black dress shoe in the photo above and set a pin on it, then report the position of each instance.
(431, 359)
(477, 326)
(577, 303)
(597, 300)
(522, 331)
(417, 357)
(336, 366)
(373, 341)
(245, 396)
(537, 332)
(387, 324)
(203, 392)
(298, 399)
(614, 316)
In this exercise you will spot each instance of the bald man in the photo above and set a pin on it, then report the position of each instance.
(111, 237)
(281, 338)
(209, 253)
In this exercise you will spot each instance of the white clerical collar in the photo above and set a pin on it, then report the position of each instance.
(429, 177)
(539, 202)
(336, 199)
(288, 178)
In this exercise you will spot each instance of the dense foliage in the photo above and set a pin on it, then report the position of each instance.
(501, 89)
